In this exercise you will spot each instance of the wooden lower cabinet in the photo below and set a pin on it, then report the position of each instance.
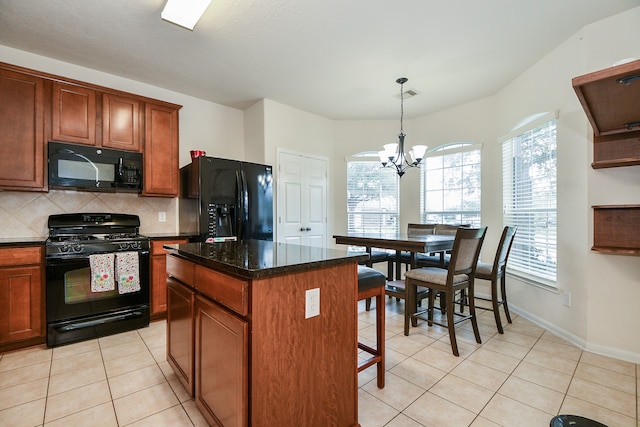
(257, 360)
(180, 330)
(21, 297)
(159, 276)
(222, 365)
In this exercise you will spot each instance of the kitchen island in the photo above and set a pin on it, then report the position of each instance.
(264, 333)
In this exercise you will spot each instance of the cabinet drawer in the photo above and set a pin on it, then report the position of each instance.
(231, 292)
(181, 269)
(156, 245)
(20, 256)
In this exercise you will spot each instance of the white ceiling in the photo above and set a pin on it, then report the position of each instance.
(335, 58)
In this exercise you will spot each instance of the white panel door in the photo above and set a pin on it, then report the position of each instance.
(302, 199)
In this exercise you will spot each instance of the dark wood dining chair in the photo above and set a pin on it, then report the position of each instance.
(371, 285)
(458, 276)
(496, 273)
(422, 260)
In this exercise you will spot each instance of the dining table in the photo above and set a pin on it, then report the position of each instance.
(424, 243)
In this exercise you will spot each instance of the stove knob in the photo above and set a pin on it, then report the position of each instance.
(123, 246)
(77, 248)
(64, 248)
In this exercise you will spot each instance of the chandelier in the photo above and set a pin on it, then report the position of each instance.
(393, 154)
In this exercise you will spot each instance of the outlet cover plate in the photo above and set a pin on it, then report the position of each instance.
(312, 303)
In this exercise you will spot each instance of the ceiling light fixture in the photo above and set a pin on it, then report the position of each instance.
(393, 154)
(185, 13)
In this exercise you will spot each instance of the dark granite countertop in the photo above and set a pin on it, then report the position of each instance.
(253, 259)
(22, 241)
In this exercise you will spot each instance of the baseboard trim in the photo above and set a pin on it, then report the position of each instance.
(613, 352)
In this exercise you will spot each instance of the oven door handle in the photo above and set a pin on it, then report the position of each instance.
(54, 261)
(95, 322)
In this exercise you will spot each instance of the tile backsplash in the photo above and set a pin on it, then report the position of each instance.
(25, 214)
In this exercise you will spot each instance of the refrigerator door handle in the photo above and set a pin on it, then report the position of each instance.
(239, 205)
(245, 203)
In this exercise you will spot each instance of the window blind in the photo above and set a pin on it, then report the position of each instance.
(530, 199)
(373, 198)
(451, 187)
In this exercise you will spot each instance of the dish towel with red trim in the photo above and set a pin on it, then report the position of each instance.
(102, 279)
(127, 272)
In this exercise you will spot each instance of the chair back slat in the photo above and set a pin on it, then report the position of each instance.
(415, 230)
(449, 229)
(504, 248)
(466, 249)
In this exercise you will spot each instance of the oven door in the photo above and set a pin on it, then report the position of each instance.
(72, 306)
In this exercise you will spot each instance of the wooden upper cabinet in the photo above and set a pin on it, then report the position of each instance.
(611, 100)
(21, 131)
(73, 114)
(120, 122)
(161, 167)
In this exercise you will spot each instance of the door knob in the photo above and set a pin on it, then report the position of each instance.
(308, 229)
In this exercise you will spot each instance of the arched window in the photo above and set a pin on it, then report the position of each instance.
(450, 185)
(373, 195)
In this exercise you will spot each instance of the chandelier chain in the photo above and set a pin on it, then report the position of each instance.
(401, 108)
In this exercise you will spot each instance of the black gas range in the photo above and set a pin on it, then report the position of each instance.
(97, 269)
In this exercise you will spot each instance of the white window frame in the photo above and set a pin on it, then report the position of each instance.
(390, 219)
(458, 216)
(538, 204)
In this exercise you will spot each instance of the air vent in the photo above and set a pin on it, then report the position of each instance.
(409, 93)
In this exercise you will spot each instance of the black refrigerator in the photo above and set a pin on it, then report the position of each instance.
(221, 198)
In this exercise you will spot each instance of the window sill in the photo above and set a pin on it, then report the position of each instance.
(538, 282)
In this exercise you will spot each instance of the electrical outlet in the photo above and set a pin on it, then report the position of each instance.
(312, 303)
(162, 217)
(566, 299)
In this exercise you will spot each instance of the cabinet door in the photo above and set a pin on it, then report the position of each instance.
(120, 122)
(159, 276)
(160, 151)
(180, 307)
(21, 131)
(73, 114)
(21, 315)
(222, 365)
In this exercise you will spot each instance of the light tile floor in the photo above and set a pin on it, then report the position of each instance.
(522, 378)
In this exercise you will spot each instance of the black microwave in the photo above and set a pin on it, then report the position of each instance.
(82, 167)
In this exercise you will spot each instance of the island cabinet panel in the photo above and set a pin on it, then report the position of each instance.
(73, 114)
(159, 276)
(273, 365)
(161, 168)
(21, 297)
(222, 365)
(230, 292)
(304, 369)
(180, 332)
(120, 122)
(22, 148)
